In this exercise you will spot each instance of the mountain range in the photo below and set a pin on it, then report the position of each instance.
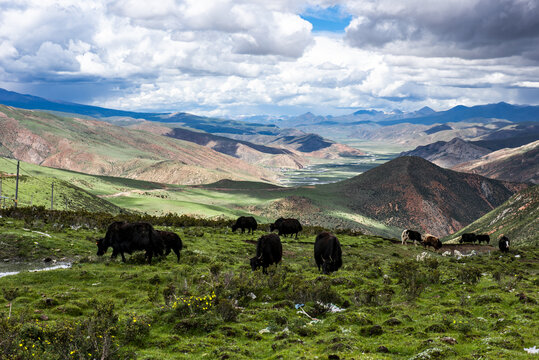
(181, 148)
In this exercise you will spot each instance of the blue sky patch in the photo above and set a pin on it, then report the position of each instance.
(331, 19)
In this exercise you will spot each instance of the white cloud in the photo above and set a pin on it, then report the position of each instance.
(230, 57)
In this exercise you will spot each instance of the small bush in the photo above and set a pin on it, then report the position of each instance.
(469, 275)
(136, 328)
(227, 310)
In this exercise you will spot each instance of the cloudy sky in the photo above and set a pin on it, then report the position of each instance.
(236, 58)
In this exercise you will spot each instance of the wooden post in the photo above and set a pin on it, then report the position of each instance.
(52, 196)
(17, 185)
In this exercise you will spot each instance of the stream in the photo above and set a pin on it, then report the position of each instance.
(7, 269)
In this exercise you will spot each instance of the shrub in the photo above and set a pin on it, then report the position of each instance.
(227, 310)
(136, 328)
(409, 275)
(469, 274)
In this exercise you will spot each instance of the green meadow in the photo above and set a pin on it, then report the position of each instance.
(222, 199)
(384, 303)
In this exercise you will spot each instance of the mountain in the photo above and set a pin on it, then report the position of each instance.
(245, 150)
(448, 154)
(517, 218)
(411, 192)
(249, 133)
(502, 110)
(519, 164)
(96, 147)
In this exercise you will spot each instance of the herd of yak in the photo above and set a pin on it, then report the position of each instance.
(124, 237)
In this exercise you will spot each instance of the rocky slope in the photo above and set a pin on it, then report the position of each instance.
(519, 164)
(448, 154)
(96, 147)
(410, 192)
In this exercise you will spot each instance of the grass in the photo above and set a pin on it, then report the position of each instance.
(224, 198)
(213, 306)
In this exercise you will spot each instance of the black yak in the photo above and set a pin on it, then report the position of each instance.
(468, 238)
(483, 238)
(126, 237)
(269, 250)
(503, 244)
(245, 222)
(171, 241)
(327, 252)
(286, 226)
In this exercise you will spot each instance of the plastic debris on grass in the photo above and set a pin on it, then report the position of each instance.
(264, 331)
(460, 255)
(302, 311)
(532, 350)
(424, 255)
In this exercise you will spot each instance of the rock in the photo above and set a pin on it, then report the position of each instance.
(449, 340)
(44, 317)
(382, 349)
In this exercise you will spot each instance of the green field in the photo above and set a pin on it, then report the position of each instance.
(211, 305)
(222, 199)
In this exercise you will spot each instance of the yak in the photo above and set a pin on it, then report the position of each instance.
(431, 240)
(269, 250)
(503, 244)
(410, 235)
(126, 237)
(327, 252)
(468, 238)
(171, 241)
(483, 238)
(286, 226)
(245, 222)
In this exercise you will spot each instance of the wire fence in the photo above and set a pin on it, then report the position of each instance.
(54, 191)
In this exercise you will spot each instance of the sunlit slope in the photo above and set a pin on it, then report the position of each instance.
(96, 147)
(517, 218)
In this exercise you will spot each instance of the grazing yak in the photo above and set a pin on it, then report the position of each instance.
(410, 235)
(472, 238)
(503, 244)
(269, 250)
(468, 238)
(286, 226)
(483, 238)
(327, 252)
(431, 240)
(171, 241)
(245, 222)
(126, 237)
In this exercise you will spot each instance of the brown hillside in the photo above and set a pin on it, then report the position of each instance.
(519, 164)
(96, 147)
(410, 192)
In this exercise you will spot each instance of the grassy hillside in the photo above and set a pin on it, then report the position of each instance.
(211, 305)
(517, 218)
(36, 191)
(224, 198)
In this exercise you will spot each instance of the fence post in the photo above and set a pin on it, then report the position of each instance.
(52, 195)
(17, 185)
